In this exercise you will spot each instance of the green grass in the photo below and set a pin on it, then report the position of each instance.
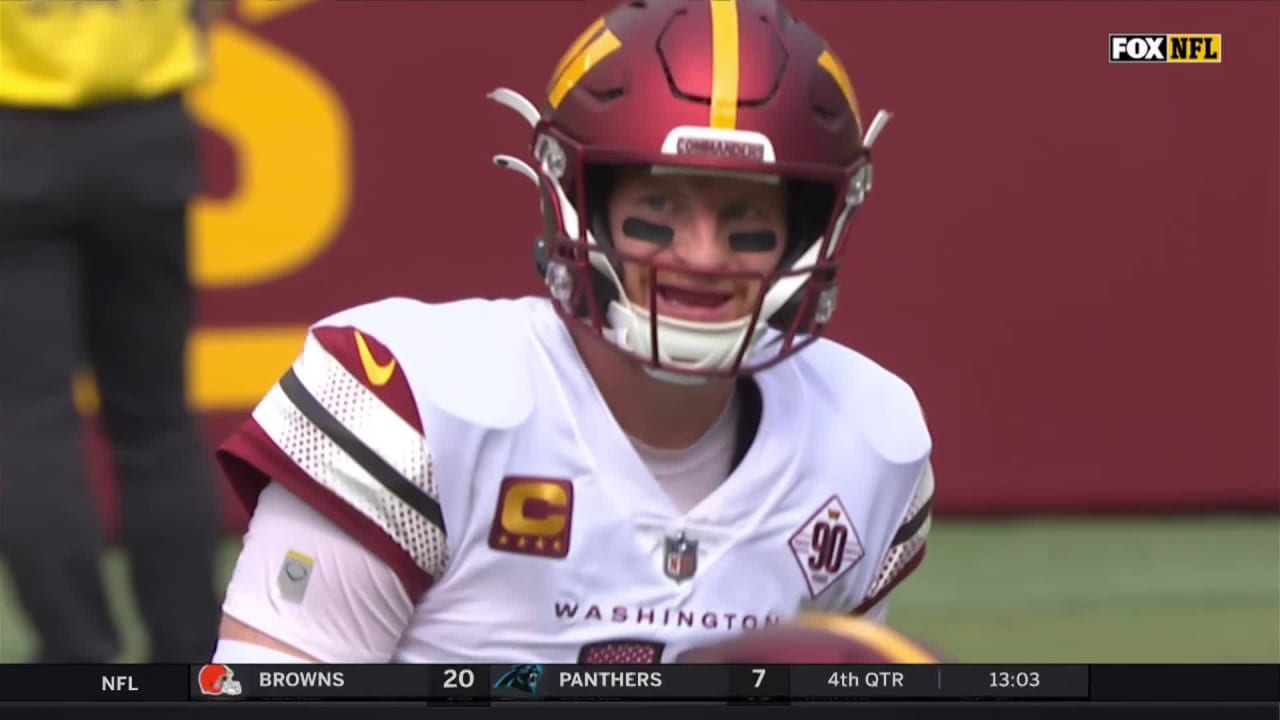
(1035, 590)
(1186, 590)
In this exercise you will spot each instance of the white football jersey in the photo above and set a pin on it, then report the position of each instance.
(466, 445)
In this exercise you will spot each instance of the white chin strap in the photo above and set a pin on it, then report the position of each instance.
(682, 344)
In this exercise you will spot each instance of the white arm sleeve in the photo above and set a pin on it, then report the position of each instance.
(233, 652)
(305, 582)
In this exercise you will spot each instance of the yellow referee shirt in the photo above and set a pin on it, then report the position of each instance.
(75, 53)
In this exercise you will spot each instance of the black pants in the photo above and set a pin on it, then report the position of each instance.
(93, 267)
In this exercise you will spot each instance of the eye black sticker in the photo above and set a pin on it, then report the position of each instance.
(757, 241)
(640, 229)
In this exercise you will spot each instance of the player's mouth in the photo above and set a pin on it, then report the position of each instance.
(697, 304)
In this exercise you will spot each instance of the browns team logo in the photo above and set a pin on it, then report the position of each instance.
(826, 546)
(218, 680)
(534, 517)
(681, 558)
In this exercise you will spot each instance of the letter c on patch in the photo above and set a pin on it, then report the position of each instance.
(539, 509)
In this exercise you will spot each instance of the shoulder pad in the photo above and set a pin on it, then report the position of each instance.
(468, 358)
(883, 406)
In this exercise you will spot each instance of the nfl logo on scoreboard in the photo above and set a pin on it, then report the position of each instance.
(681, 560)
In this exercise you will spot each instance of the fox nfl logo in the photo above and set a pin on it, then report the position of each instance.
(1185, 48)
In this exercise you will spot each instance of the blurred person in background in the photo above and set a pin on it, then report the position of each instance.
(97, 168)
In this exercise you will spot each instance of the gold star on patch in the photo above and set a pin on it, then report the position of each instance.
(521, 543)
(557, 546)
(503, 539)
(540, 544)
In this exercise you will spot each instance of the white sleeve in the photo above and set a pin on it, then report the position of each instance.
(907, 547)
(305, 582)
(238, 652)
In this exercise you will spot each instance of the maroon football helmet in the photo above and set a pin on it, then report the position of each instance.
(726, 87)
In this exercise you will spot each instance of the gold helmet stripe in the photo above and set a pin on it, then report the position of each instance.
(593, 45)
(827, 60)
(724, 64)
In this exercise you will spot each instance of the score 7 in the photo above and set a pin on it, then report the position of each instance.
(760, 683)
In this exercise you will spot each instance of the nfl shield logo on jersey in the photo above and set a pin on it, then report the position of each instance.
(681, 558)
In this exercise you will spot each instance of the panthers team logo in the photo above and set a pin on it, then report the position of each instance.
(521, 677)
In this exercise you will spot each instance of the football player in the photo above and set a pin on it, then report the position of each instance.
(657, 456)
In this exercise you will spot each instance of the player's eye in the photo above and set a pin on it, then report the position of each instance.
(656, 202)
(740, 212)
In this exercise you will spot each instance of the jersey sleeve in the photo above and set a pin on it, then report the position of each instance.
(307, 583)
(342, 431)
(906, 549)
